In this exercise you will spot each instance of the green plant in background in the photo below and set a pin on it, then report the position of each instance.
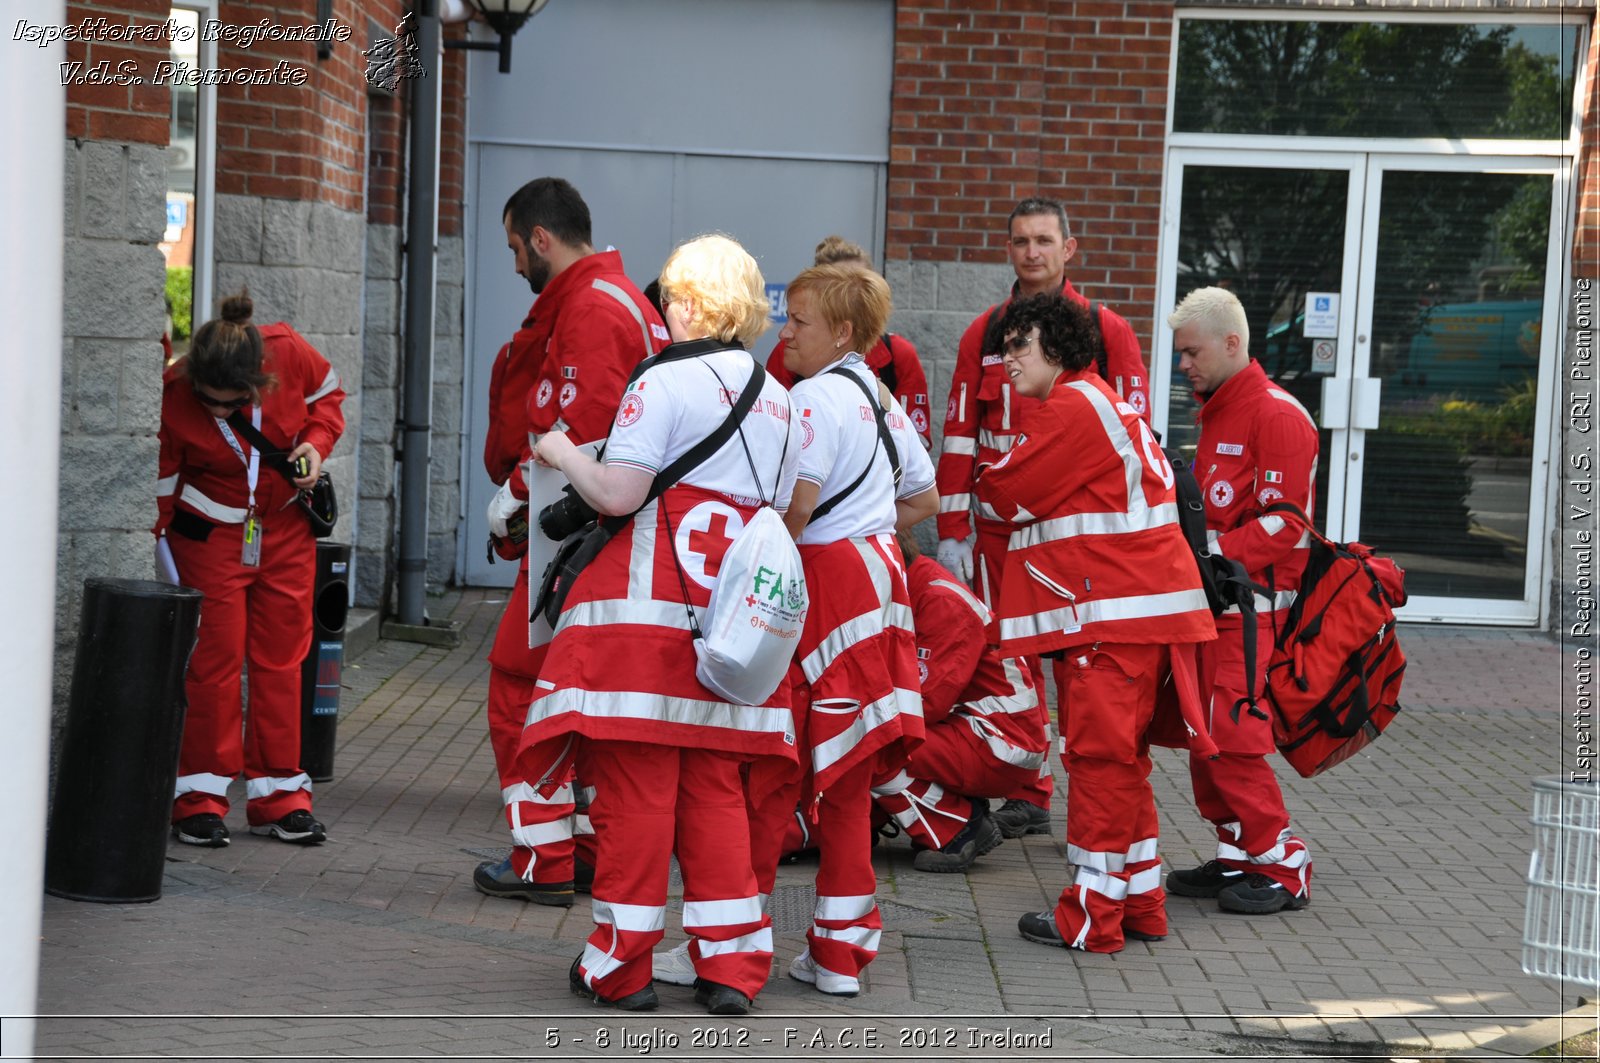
(180, 297)
(1503, 429)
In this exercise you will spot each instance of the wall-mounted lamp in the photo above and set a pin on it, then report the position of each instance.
(505, 17)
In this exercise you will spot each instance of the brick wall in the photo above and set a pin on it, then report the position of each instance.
(131, 114)
(994, 101)
(1586, 240)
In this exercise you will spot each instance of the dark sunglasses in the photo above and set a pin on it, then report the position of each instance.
(1018, 344)
(221, 404)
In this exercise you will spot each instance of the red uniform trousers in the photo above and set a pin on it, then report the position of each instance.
(845, 925)
(261, 614)
(1111, 812)
(542, 827)
(1239, 792)
(649, 800)
(929, 796)
(988, 562)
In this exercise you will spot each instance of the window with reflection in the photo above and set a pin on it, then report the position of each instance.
(178, 241)
(1375, 79)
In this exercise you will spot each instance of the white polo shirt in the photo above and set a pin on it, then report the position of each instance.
(674, 406)
(838, 436)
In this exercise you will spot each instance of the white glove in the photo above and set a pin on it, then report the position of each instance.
(502, 507)
(956, 555)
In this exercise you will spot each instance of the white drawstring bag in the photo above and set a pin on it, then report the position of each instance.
(758, 606)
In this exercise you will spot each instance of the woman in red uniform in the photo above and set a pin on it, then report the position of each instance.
(856, 698)
(663, 753)
(229, 519)
(1099, 576)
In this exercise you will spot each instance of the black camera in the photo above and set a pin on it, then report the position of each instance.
(565, 515)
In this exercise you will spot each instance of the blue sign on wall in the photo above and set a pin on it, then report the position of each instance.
(778, 303)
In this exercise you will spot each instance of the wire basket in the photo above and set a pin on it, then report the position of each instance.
(1561, 938)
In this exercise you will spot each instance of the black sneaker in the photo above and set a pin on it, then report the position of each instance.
(642, 1000)
(498, 880)
(1256, 894)
(1018, 817)
(1207, 880)
(979, 836)
(297, 828)
(720, 999)
(1041, 927)
(205, 829)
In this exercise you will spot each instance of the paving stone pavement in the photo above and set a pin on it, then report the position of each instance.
(376, 946)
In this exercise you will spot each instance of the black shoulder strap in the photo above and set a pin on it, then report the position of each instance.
(884, 439)
(703, 449)
(890, 375)
(1101, 360)
(271, 453)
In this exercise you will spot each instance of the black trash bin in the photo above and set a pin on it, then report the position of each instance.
(324, 663)
(119, 752)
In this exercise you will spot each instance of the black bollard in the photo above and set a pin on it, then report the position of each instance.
(119, 752)
(324, 663)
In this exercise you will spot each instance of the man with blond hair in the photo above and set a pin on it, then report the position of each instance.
(1257, 446)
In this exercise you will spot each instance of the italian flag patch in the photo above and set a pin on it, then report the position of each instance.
(1272, 476)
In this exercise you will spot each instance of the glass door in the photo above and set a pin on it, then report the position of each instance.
(1448, 428)
(1403, 300)
(1275, 228)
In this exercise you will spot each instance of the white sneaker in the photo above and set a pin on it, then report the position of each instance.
(673, 966)
(805, 969)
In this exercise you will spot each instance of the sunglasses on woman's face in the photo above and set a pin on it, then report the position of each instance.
(221, 404)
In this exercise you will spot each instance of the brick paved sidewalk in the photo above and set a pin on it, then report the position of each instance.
(376, 944)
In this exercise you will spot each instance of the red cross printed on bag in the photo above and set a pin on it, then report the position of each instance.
(712, 543)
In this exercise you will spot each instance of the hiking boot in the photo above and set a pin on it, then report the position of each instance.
(805, 969)
(980, 835)
(1207, 880)
(673, 966)
(1018, 817)
(297, 828)
(205, 829)
(640, 1000)
(1041, 927)
(498, 880)
(1256, 894)
(720, 999)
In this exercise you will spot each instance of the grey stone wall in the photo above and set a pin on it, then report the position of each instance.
(303, 263)
(380, 388)
(934, 302)
(113, 317)
(449, 417)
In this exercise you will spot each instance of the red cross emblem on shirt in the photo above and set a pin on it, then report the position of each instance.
(713, 542)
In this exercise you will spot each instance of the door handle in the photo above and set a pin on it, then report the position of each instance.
(1364, 409)
(1335, 402)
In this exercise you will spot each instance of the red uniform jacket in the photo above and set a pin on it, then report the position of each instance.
(962, 673)
(202, 473)
(910, 381)
(1097, 554)
(984, 413)
(587, 330)
(516, 367)
(1257, 446)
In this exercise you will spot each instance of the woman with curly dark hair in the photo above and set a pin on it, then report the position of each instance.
(1099, 577)
(228, 517)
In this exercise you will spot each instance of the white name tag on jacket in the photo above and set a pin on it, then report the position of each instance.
(1235, 449)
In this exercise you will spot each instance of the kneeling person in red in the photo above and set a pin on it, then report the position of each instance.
(1099, 576)
(984, 732)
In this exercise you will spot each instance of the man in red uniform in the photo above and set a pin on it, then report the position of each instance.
(894, 359)
(982, 421)
(985, 735)
(1257, 446)
(1099, 575)
(566, 367)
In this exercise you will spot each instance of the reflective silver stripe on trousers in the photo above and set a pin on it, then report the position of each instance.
(202, 782)
(255, 789)
(522, 791)
(635, 918)
(732, 912)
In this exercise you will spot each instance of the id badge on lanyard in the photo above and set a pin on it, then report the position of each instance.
(250, 541)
